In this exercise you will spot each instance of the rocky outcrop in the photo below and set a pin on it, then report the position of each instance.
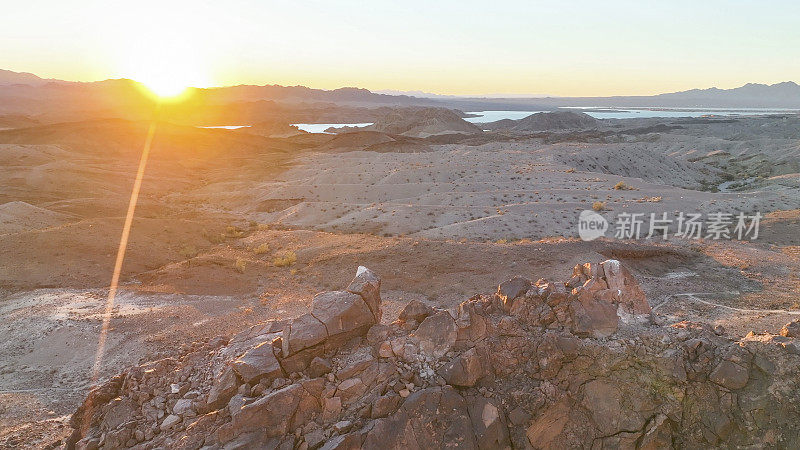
(546, 121)
(575, 364)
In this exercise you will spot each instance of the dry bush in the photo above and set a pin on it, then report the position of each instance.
(240, 265)
(599, 206)
(261, 249)
(188, 251)
(285, 260)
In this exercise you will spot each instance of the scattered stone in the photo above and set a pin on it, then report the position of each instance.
(791, 329)
(170, 422)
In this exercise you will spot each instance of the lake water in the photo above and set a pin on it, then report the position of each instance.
(321, 127)
(631, 113)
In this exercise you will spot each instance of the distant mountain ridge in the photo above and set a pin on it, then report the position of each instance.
(26, 93)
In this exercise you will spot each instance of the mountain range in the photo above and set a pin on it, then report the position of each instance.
(27, 93)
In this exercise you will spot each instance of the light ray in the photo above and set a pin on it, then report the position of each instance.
(123, 244)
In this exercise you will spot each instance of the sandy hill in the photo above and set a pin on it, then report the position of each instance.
(355, 140)
(424, 122)
(16, 217)
(549, 121)
(117, 136)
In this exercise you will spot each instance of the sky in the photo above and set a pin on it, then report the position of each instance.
(577, 48)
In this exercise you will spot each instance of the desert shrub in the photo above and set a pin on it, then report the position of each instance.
(621, 186)
(240, 265)
(214, 238)
(233, 232)
(599, 206)
(285, 260)
(261, 249)
(188, 251)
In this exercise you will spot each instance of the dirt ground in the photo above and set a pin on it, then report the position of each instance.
(206, 247)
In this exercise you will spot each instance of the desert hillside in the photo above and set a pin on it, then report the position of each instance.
(219, 316)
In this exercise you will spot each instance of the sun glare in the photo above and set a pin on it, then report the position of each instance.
(166, 87)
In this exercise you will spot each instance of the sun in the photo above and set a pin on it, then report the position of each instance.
(166, 86)
(167, 70)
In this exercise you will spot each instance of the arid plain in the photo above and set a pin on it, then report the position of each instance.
(234, 227)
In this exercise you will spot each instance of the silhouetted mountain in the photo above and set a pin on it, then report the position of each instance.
(10, 77)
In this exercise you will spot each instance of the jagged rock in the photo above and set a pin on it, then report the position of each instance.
(368, 285)
(301, 333)
(593, 318)
(437, 334)
(546, 431)
(658, 434)
(730, 375)
(272, 413)
(258, 363)
(170, 421)
(342, 313)
(331, 409)
(429, 416)
(610, 410)
(183, 406)
(350, 441)
(415, 310)
(464, 370)
(350, 389)
(385, 405)
(315, 438)
(318, 367)
(510, 290)
(791, 329)
(471, 323)
(488, 423)
(651, 387)
(631, 296)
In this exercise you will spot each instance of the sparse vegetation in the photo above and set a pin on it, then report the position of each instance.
(240, 265)
(599, 206)
(261, 249)
(622, 186)
(285, 260)
(188, 251)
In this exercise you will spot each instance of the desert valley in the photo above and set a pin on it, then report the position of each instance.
(477, 317)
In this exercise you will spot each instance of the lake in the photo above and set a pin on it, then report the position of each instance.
(628, 113)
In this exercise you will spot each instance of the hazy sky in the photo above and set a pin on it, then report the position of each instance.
(452, 47)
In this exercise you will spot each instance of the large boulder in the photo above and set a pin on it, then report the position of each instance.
(258, 362)
(224, 387)
(510, 290)
(429, 418)
(301, 333)
(342, 313)
(465, 370)
(436, 335)
(730, 375)
(631, 297)
(593, 318)
(415, 310)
